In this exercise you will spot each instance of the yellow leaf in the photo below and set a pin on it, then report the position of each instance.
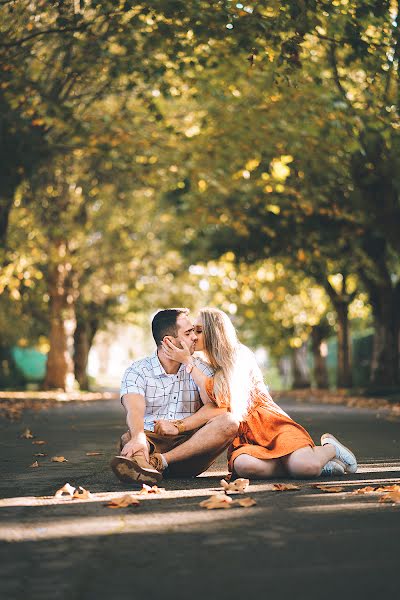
(39, 442)
(60, 459)
(93, 453)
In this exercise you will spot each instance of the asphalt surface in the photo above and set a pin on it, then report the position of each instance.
(299, 544)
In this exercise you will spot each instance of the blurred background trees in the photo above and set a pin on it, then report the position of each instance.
(171, 153)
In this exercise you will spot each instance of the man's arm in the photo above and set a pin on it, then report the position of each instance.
(207, 412)
(135, 407)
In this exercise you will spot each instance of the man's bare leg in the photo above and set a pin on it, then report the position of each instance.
(209, 440)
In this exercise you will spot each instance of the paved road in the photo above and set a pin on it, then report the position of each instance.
(303, 544)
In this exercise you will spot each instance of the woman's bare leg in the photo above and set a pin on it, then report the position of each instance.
(308, 462)
(258, 468)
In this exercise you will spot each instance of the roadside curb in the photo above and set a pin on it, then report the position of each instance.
(326, 397)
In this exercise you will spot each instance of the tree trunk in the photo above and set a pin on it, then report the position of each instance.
(320, 369)
(344, 374)
(58, 360)
(301, 373)
(85, 331)
(6, 202)
(81, 353)
(385, 356)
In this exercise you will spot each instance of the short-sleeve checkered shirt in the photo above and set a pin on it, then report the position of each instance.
(167, 396)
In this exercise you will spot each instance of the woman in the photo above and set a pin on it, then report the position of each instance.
(269, 443)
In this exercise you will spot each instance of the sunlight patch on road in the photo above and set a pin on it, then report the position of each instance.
(112, 524)
(106, 497)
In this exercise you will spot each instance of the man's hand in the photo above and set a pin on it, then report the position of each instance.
(136, 445)
(163, 427)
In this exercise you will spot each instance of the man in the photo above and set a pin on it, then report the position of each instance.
(157, 394)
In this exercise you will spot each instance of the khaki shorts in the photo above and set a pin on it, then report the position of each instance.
(185, 468)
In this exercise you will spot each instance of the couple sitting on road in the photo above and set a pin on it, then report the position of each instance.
(182, 412)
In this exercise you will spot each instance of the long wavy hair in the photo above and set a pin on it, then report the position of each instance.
(231, 360)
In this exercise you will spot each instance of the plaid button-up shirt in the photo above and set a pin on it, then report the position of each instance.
(167, 396)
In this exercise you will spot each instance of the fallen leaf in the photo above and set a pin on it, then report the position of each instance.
(146, 489)
(66, 490)
(123, 502)
(40, 454)
(239, 485)
(35, 464)
(283, 487)
(246, 502)
(81, 493)
(93, 453)
(332, 489)
(389, 488)
(27, 434)
(217, 501)
(365, 490)
(224, 501)
(58, 459)
(391, 497)
(39, 442)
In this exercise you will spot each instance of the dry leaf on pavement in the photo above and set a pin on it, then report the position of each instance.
(146, 489)
(217, 501)
(224, 501)
(27, 434)
(391, 497)
(81, 493)
(388, 488)
(123, 502)
(39, 442)
(66, 490)
(93, 453)
(284, 487)
(246, 502)
(40, 454)
(239, 485)
(364, 490)
(59, 459)
(332, 489)
(35, 464)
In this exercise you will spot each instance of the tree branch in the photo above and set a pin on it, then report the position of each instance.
(44, 32)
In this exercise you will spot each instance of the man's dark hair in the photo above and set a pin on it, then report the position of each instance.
(164, 323)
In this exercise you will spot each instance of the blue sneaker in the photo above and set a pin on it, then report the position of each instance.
(333, 468)
(342, 453)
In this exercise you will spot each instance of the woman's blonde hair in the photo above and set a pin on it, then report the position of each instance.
(229, 358)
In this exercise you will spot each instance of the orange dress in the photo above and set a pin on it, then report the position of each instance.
(266, 431)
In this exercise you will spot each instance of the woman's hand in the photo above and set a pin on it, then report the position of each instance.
(181, 355)
(163, 427)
